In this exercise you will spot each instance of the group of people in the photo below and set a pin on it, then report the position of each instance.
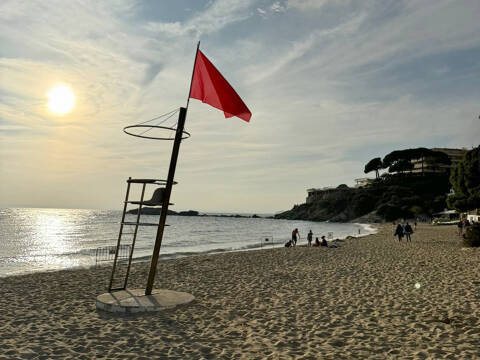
(296, 237)
(404, 230)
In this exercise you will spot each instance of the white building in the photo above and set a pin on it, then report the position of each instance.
(360, 182)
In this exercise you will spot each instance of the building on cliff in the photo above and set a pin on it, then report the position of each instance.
(361, 182)
(427, 165)
(473, 215)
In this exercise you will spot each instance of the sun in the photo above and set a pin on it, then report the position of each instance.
(61, 99)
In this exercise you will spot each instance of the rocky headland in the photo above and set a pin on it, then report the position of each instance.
(388, 198)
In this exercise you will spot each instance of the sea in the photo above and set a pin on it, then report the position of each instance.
(41, 239)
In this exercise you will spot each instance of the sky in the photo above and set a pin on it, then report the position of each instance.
(330, 83)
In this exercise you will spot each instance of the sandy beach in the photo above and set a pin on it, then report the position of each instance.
(355, 302)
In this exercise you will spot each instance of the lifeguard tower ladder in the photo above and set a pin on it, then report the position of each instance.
(155, 201)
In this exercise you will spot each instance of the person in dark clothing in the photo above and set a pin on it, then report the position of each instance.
(324, 241)
(295, 236)
(466, 225)
(408, 232)
(460, 227)
(317, 242)
(310, 238)
(399, 232)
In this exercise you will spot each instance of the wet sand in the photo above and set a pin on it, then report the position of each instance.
(355, 302)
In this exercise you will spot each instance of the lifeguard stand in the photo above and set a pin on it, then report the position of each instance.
(119, 298)
(210, 87)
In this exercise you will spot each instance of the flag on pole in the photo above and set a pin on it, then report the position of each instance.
(209, 86)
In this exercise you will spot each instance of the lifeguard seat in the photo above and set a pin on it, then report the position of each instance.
(156, 200)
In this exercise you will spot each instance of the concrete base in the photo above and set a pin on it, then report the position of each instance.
(135, 300)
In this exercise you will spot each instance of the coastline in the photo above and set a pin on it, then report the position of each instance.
(76, 241)
(165, 257)
(357, 301)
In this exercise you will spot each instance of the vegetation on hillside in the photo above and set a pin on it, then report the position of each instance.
(375, 164)
(465, 179)
(390, 197)
(400, 161)
(399, 193)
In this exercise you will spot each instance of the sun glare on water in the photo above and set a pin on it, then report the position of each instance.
(61, 99)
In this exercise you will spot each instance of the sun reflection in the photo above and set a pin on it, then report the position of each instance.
(52, 238)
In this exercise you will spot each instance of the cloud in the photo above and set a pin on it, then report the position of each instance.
(299, 48)
(306, 5)
(151, 72)
(262, 12)
(278, 7)
(218, 15)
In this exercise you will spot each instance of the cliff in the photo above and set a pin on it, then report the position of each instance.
(386, 199)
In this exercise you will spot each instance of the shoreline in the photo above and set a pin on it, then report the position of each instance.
(370, 228)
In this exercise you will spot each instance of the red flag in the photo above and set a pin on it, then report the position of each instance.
(209, 86)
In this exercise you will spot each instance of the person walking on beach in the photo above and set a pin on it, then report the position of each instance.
(408, 232)
(466, 225)
(295, 236)
(399, 232)
(460, 227)
(310, 238)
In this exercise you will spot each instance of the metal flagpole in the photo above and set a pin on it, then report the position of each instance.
(168, 188)
(193, 73)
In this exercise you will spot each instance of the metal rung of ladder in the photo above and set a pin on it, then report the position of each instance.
(140, 224)
(146, 203)
(116, 289)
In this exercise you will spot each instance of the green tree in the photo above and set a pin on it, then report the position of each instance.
(400, 160)
(374, 165)
(393, 157)
(400, 166)
(421, 154)
(434, 158)
(465, 180)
